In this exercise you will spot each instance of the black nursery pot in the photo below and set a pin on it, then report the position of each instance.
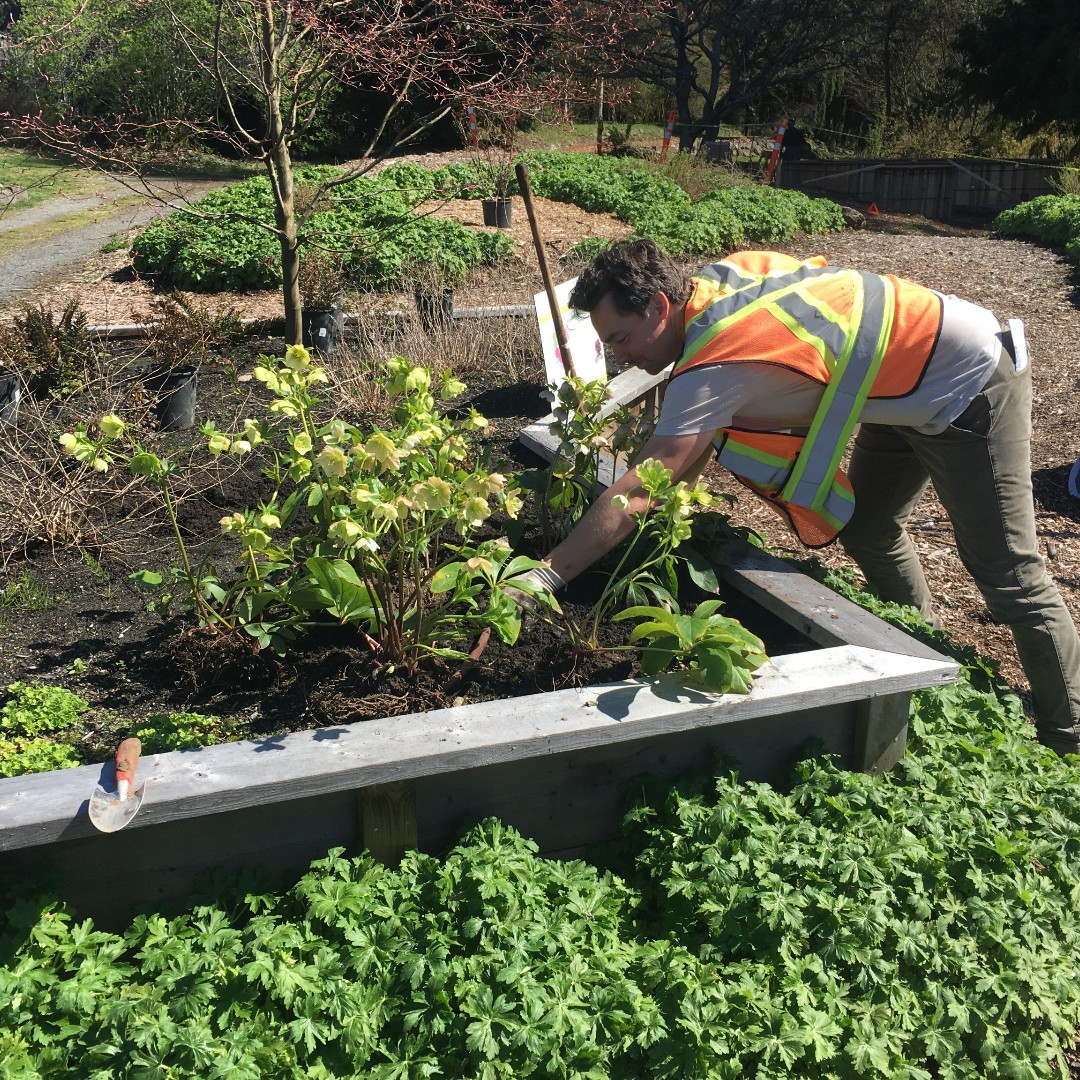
(498, 212)
(175, 393)
(319, 329)
(10, 393)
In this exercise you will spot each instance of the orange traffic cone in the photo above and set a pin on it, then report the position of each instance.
(872, 210)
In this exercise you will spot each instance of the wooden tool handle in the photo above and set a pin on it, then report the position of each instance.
(127, 759)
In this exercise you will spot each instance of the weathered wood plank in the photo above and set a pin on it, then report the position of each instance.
(814, 609)
(189, 783)
(388, 813)
(881, 727)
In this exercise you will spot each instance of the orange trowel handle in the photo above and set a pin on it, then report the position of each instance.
(127, 760)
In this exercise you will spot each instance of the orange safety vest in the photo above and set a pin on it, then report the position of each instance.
(862, 335)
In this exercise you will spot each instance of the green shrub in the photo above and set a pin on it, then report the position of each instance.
(724, 217)
(221, 245)
(55, 357)
(1050, 219)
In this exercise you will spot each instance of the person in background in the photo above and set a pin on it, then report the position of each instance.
(793, 143)
(774, 364)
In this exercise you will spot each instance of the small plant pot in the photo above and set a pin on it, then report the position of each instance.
(320, 328)
(435, 308)
(497, 212)
(10, 393)
(174, 392)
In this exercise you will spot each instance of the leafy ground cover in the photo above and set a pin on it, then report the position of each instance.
(1050, 219)
(921, 924)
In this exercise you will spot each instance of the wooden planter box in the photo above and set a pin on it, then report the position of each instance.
(556, 766)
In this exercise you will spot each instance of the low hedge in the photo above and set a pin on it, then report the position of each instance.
(218, 243)
(1050, 219)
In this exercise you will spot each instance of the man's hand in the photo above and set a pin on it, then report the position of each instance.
(535, 589)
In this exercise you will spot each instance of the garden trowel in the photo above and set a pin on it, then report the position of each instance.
(112, 810)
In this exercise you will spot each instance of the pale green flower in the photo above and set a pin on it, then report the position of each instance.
(620, 502)
(231, 523)
(112, 427)
(433, 494)
(240, 446)
(301, 443)
(269, 521)
(345, 532)
(297, 358)
(253, 432)
(333, 462)
(362, 494)
(512, 505)
(69, 442)
(418, 381)
(387, 511)
(475, 512)
(366, 543)
(381, 447)
(217, 444)
(255, 538)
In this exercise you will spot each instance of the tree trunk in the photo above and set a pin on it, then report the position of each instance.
(280, 170)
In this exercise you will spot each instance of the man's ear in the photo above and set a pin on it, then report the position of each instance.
(662, 303)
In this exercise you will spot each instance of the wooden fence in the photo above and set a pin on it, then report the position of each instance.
(936, 188)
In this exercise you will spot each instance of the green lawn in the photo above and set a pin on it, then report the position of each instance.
(40, 178)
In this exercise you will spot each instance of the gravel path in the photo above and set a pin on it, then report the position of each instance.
(48, 243)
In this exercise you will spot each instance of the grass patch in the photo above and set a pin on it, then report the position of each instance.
(30, 180)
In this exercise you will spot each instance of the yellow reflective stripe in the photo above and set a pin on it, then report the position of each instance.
(763, 468)
(845, 394)
(815, 341)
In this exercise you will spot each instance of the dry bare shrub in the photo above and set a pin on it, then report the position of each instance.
(504, 349)
(183, 333)
(62, 502)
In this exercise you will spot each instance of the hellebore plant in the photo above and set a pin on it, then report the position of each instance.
(588, 435)
(646, 560)
(722, 652)
(355, 530)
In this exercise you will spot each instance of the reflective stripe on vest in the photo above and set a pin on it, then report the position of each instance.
(845, 393)
(851, 348)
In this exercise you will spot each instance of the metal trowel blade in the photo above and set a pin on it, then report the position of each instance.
(108, 812)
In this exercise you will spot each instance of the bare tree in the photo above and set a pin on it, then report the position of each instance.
(274, 62)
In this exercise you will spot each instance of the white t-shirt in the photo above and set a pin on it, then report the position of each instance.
(763, 397)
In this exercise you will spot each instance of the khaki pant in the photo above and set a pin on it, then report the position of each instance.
(981, 469)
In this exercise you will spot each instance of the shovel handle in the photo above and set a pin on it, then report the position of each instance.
(127, 760)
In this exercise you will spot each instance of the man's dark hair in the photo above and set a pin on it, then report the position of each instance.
(632, 272)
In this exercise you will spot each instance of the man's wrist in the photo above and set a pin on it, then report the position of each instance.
(545, 576)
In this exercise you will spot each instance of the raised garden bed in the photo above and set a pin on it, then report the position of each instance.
(554, 765)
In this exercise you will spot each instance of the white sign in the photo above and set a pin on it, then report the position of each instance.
(586, 350)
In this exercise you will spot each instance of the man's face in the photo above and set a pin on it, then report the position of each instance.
(650, 341)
